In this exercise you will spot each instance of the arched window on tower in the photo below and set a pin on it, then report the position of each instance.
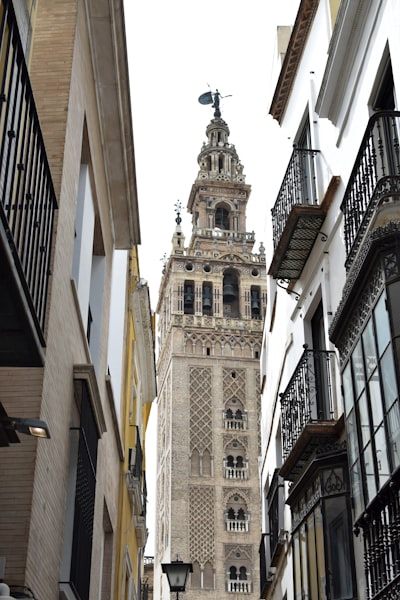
(220, 163)
(255, 302)
(188, 298)
(230, 294)
(222, 217)
(207, 299)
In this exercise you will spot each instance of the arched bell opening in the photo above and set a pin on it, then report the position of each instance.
(222, 217)
(230, 293)
(207, 298)
(255, 302)
(188, 298)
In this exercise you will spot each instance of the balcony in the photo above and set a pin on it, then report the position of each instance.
(375, 178)
(297, 216)
(307, 411)
(237, 525)
(27, 208)
(235, 421)
(239, 587)
(235, 469)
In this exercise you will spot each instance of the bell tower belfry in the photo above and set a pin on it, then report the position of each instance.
(211, 307)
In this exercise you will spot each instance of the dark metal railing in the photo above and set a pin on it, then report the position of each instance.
(264, 563)
(27, 197)
(298, 187)
(308, 396)
(381, 533)
(377, 162)
(275, 502)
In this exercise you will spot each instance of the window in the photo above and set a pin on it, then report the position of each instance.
(275, 503)
(322, 545)
(255, 299)
(305, 168)
(77, 551)
(88, 264)
(188, 298)
(222, 217)
(371, 404)
(230, 293)
(236, 515)
(207, 299)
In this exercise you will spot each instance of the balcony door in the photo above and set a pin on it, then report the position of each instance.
(306, 170)
(321, 365)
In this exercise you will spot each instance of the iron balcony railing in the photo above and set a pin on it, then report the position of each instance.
(298, 188)
(308, 396)
(27, 197)
(375, 176)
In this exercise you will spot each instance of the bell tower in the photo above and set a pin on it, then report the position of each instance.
(211, 306)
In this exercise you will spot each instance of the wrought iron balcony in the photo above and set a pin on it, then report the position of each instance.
(375, 178)
(307, 410)
(297, 216)
(27, 203)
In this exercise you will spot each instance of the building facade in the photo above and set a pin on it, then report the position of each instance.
(68, 202)
(330, 364)
(211, 308)
(139, 391)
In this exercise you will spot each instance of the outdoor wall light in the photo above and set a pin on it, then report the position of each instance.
(177, 572)
(33, 427)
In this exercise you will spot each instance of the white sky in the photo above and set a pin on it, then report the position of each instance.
(176, 48)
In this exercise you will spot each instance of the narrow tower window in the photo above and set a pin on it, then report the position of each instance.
(188, 298)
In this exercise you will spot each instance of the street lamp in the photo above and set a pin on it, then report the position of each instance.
(177, 572)
(10, 425)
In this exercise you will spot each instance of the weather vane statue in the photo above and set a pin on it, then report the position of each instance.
(213, 98)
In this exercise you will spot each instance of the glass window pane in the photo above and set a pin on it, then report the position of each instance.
(381, 456)
(312, 557)
(364, 419)
(303, 559)
(375, 399)
(388, 378)
(296, 565)
(338, 548)
(393, 425)
(352, 441)
(358, 369)
(356, 489)
(382, 324)
(319, 543)
(347, 388)
(369, 348)
(369, 469)
(393, 292)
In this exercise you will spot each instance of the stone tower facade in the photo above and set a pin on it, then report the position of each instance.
(211, 307)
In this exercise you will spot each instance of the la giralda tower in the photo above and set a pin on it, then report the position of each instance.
(210, 314)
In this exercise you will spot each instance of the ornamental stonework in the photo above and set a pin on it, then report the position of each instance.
(201, 426)
(202, 524)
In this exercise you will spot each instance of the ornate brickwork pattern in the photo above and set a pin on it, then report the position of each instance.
(258, 394)
(234, 382)
(241, 440)
(244, 493)
(202, 524)
(245, 552)
(201, 426)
